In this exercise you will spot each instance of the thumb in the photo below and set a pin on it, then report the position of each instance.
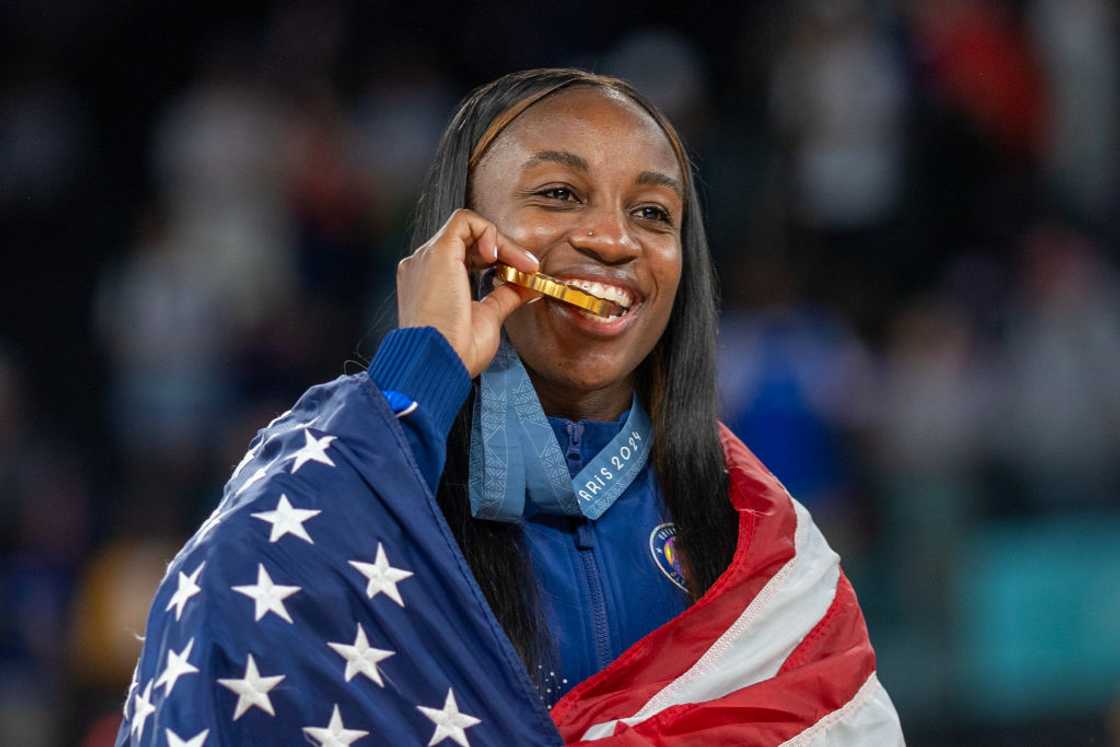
(505, 299)
(486, 324)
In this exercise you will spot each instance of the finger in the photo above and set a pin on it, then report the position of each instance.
(463, 234)
(515, 255)
(471, 239)
(488, 244)
(492, 246)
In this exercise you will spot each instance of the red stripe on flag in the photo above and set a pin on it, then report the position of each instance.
(821, 675)
(766, 542)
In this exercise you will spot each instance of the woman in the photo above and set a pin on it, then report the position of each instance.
(594, 524)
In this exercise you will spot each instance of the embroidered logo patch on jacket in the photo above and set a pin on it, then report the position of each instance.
(662, 546)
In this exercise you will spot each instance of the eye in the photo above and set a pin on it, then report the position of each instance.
(653, 212)
(558, 193)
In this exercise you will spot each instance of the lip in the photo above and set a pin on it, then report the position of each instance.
(604, 276)
(569, 314)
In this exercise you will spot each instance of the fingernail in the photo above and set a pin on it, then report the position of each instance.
(533, 300)
(534, 257)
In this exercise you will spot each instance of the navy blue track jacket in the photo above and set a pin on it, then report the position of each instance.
(604, 583)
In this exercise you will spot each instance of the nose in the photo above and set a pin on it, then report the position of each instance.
(604, 235)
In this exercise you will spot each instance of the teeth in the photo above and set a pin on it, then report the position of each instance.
(596, 317)
(620, 296)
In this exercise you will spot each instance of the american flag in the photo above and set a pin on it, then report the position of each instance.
(326, 602)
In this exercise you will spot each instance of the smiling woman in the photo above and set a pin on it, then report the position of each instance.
(575, 170)
(566, 545)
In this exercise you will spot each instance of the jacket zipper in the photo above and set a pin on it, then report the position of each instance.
(599, 627)
(585, 541)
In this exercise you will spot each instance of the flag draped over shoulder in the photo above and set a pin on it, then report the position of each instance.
(776, 653)
(326, 602)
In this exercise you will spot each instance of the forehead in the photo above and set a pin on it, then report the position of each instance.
(604, 127)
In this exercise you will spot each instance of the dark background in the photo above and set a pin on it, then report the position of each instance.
(911, 205)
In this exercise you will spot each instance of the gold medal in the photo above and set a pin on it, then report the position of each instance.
(554, 288)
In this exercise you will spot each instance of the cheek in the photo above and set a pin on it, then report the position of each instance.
(536, 233)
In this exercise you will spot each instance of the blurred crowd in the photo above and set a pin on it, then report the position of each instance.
(910, 205)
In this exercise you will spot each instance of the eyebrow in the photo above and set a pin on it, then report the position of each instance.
(664, 180)
(567, 158)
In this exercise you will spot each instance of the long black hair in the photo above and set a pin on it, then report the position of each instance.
(677, 381)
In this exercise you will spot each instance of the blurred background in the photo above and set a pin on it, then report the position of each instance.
(911, 205)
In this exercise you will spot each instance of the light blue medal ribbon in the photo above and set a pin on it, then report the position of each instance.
(515, 457)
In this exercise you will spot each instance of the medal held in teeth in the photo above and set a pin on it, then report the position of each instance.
(554, 288)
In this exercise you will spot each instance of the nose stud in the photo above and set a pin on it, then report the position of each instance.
(590, 233)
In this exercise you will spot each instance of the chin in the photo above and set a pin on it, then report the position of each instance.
(581, 375)
(571, 365)
(585, 381)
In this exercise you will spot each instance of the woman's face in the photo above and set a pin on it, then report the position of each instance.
(587, 181)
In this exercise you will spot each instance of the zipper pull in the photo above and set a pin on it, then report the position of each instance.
(573, 456)
(585, 536)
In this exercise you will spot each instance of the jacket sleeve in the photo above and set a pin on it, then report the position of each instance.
(425, 383)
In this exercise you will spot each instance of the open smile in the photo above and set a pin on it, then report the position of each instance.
(621, 299)
(628, 303)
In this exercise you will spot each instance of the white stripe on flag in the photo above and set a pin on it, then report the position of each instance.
(869, 718)
(777, 619)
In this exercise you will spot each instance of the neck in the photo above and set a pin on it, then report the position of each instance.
(566, 401)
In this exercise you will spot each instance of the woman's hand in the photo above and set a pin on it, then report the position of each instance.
(433, 289)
